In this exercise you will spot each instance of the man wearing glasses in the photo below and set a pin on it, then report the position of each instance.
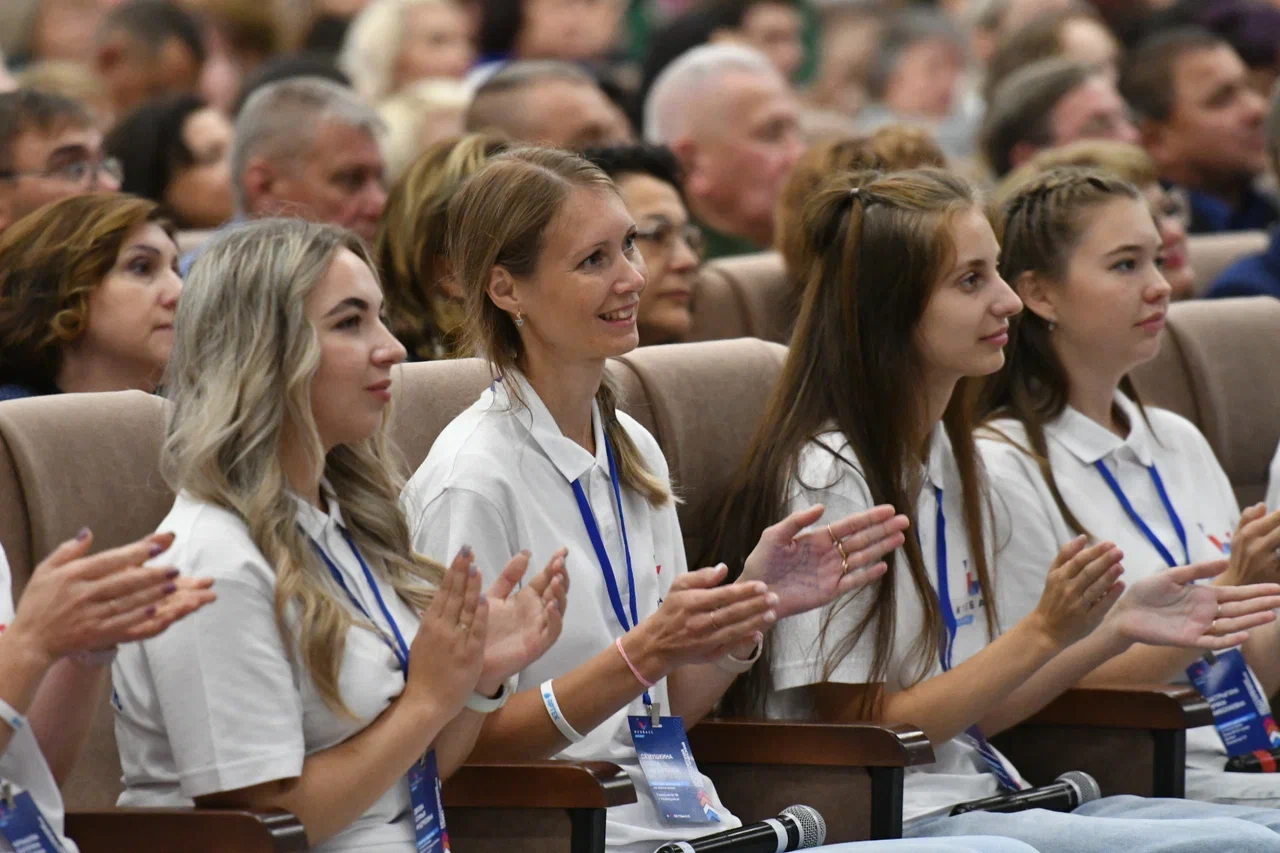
(648, 178)
(49, 150)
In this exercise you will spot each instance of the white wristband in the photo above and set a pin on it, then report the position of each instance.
(729, 663)
(487, 705)
(10, 716)
(553, 711)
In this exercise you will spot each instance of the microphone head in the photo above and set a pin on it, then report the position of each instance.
(813, 829)
(1084, 784)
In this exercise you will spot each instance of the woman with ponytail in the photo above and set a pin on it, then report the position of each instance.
(1072, 451)
(545, 251)
(339, 674)
(904, 306)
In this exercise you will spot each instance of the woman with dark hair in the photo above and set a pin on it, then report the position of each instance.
(177, 153)
(903, 307)
(570, 30)
(88, 291)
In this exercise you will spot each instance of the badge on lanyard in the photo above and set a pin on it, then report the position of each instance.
(1241, 712)
(660, 742)
(428, 808)
(23, 826)
(669, 768)
(429, 830)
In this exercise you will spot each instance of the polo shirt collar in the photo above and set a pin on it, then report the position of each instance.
(570, 458)
(939, 451)
(1090, 441)
(312, 520)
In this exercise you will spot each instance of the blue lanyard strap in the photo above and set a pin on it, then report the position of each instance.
(602, 555)
(1142, 525)
(399, 648)
(944, 586)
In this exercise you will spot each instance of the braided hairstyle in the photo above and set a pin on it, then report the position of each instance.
(1039, 228)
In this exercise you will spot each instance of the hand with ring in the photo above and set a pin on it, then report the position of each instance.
(447, 655)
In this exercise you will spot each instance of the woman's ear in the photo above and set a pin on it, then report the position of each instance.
(502, 290)
(1036, 296)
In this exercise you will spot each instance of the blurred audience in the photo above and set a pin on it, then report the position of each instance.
(890, 149)
(549, 103)
(307, 147)
(570, 30)
(240, 35)
(733, 124)
(1077, 33)
(148, 48)
(393, 43)
(35, 30)
(88, 292)
(849, 36)
(177, 152)
(419, 116)
(1132, 164)
(424, 303)
(1258, 275)
(50, 148)
(73, 80)
(7, 81)
(1203, 125)
(289, 67)
(648, 179)
(1051, 103)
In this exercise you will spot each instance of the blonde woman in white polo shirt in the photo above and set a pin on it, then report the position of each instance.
(339, 675)
(54, 652)
(903, 305)
(1072, 451)
(543, 460)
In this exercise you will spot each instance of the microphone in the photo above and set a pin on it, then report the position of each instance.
(1071, 790)
(797, 828)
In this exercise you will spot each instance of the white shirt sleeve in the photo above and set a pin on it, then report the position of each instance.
(6, 591)
(226, 691)
(1273, 485)
(458, 517)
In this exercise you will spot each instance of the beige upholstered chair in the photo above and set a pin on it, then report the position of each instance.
(1210, 254)
(747, 296)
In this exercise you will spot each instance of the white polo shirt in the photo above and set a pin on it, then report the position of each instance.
(828, 472)
(500, 479)
(1030, 530)
(23, 764)
(1273, 483)
(216, 703)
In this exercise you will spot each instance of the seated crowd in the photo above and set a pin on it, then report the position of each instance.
(977, 214)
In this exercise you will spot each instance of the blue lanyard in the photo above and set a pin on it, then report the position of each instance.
(944, 587)
(1142, 525)
(606, 566)
(399, 648)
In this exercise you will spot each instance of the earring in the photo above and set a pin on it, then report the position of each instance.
(519, 319)
(1052, 325)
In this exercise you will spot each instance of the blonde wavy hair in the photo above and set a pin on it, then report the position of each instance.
(500, 218)
(240, 380)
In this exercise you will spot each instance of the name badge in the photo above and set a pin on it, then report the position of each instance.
(669, 768)
(24, 827)
(429, 829)
(1241, 712)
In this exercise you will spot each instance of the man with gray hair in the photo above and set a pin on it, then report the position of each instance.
(733, 123)
(308, 147)
(1047, 104)
(549, 103)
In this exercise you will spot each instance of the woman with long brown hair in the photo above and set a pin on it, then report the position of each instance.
(1072, 449)
(903, 305)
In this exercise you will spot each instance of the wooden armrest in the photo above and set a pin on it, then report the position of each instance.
(539, 785)
(1166, 706)
(186, 830)
(735, 741)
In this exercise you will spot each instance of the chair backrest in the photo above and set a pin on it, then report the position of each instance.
(747, 296)
(72, 460)
(1217, 367)
(1210, 254)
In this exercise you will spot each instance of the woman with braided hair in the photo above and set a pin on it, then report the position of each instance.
(1071, 446)
(903, 308)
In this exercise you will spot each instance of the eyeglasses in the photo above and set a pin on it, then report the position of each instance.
(666, 234)
(1173, 204)
(79, 172)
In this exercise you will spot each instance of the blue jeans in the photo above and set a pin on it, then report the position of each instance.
(976, 844)
(1128, 824)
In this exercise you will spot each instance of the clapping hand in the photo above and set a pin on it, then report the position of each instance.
(523, 625)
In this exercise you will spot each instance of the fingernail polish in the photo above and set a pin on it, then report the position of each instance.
(155, 550)
(151, 611)
(170, 588)
(171, 574)
(83, 534)
(465, 552)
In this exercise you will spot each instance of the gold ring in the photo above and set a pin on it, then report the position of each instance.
(835, 542)
(844, 566)
(1213, 627)
(465, 626)
(840, 547)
